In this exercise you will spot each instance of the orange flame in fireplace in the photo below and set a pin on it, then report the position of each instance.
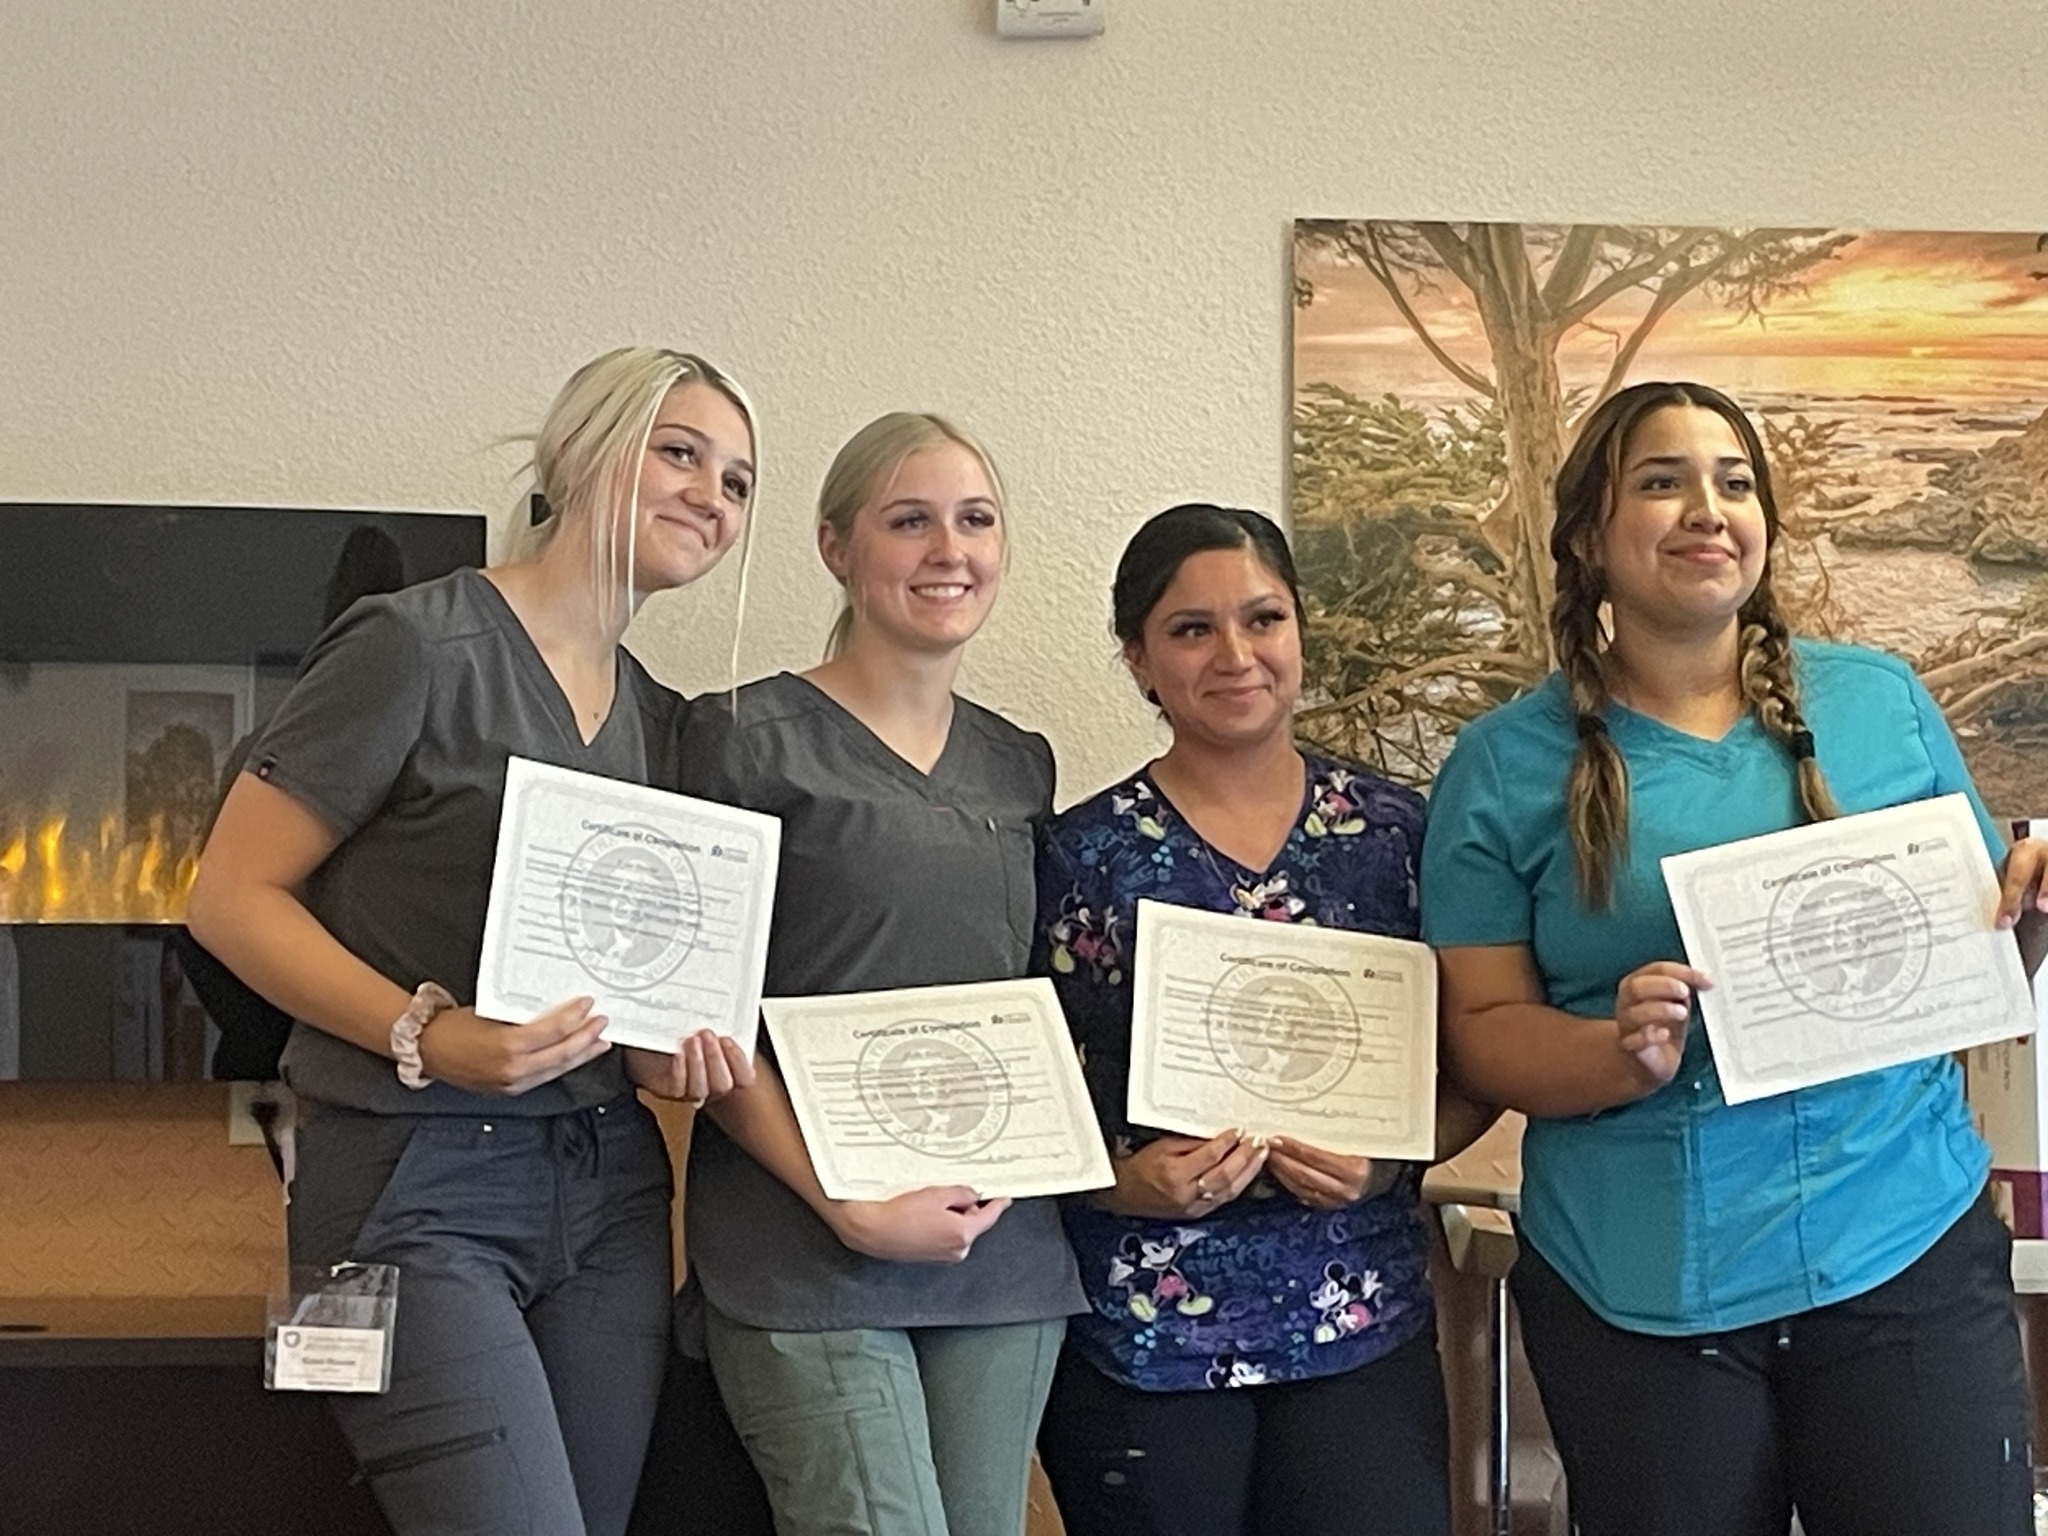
(50, 873)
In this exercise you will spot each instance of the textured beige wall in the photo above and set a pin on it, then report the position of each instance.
(325, 254)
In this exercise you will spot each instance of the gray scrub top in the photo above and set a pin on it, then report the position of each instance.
(889, 878)
(396, 734)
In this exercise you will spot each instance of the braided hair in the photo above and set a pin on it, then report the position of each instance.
(1597, 794)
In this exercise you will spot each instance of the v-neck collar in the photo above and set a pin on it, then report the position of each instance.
(1215, 854)
(871, 745)
(1631, 724)
(541, 679)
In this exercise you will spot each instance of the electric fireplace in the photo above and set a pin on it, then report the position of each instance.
(141, 649)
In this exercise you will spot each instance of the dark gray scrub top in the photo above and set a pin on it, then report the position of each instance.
(889, 878)
(396, 734)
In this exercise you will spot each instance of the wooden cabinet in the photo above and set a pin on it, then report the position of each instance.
(149, 1418)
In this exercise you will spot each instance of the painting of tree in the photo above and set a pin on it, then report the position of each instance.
(1900, 382)
(176, 743)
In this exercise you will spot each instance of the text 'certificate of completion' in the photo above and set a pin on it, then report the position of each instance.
(1848, 945)
(976, 1085)
(1283, 1029)
(654, 904)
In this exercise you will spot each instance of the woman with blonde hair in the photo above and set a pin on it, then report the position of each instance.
(1732, 1311)
(885, 1362)
(508, 1172)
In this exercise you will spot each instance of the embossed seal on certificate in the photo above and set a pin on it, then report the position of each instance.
(945, 1094)
(630, 907)
(1848, 938)
(1283, 1032)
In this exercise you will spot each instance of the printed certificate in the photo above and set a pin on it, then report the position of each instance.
(655, 904)
(1287, 1029)
(976, 1085)
(1848, 945)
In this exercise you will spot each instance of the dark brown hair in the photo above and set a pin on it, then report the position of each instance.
(1154, 555)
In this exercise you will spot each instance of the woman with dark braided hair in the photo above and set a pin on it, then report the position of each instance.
(1732, 1311)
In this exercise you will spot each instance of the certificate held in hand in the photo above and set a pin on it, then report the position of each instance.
(975, 1084)
(654, 904)
(1848, 945)
(1283, 1029)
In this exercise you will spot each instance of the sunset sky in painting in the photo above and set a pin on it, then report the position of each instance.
(1956, 314)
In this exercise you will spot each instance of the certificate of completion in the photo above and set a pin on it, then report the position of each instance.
(1285, 1029)
(654, 904)
(976, 1085)
(1848, 945)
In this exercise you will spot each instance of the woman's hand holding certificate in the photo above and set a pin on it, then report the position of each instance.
(935, 1225)
(1652, 1011)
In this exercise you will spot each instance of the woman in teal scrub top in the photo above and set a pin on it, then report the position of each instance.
(1732, 1311)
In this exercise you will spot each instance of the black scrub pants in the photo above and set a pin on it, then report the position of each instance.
(1900, 1412)
(534, 1276)
(1361, 1453)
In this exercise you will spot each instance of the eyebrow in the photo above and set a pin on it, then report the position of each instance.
(1263, 600)
(926, 501)
(1662, 459)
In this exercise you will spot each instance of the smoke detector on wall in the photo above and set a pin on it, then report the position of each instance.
(1049, 18)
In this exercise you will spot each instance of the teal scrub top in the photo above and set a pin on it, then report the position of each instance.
(1681, 1213)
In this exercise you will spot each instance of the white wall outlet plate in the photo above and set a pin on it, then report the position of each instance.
(1049, 18)
(244, 1130)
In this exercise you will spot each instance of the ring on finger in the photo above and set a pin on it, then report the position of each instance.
(1203, 1191)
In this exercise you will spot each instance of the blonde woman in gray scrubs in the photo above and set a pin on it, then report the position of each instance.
(885, 1363)
(508, 1172)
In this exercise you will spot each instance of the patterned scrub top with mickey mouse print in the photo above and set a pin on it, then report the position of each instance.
(1267, 1289)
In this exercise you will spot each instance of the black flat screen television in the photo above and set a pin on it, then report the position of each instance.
(141, 650)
